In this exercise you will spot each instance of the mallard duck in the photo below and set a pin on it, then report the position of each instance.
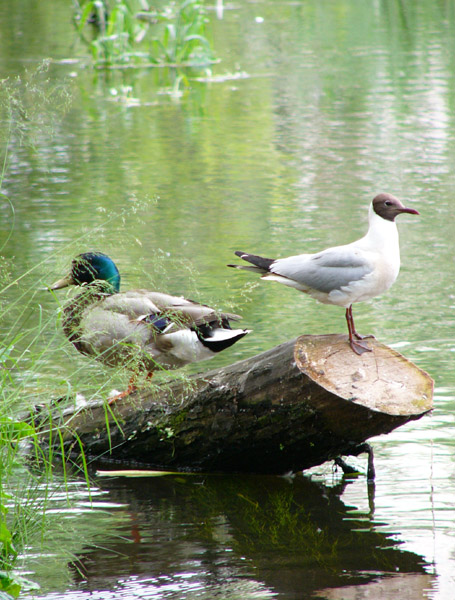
(344, 274)
(139, 329)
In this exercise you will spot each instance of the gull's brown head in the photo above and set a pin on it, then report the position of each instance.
(388, 207)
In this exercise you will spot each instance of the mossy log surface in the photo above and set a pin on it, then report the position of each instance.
(288, 409)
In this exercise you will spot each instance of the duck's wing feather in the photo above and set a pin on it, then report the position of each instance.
(133, 304)
(325, 271)
(138, 304)
(195, 311)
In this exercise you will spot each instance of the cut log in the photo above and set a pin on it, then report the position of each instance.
(290, 408)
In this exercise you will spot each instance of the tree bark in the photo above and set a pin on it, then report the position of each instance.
(290, 408)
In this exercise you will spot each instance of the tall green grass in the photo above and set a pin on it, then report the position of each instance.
(30, 105)
(22, 491)
(35, 390)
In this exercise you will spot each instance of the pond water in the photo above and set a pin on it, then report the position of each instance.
(314, 108)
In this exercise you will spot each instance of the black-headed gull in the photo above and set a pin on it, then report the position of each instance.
(346, 274)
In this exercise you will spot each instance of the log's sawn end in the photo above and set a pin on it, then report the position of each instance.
(382, 380)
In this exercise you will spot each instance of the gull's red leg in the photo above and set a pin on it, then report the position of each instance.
(354, 332)
(358, 347)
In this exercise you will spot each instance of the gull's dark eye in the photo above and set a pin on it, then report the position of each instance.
(388, 203)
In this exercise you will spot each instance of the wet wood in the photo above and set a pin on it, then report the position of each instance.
(290, 408)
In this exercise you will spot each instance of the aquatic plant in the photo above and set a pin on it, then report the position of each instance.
(129, 33)
(183, 39)
(114, 31)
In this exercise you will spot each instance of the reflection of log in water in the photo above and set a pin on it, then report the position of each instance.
(294, 536)
(288, 409)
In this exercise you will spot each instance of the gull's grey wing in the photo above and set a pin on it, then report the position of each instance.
(325, 271)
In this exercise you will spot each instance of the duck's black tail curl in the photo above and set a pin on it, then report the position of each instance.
(217, 338)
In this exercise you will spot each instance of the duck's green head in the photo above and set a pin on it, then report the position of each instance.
(89, 267)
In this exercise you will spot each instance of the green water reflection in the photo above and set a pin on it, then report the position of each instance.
(201, 536)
